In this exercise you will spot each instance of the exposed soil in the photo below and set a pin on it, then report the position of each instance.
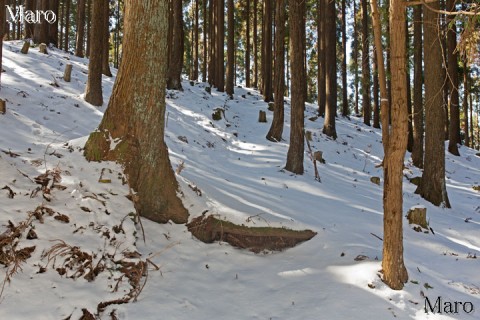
(257, 239)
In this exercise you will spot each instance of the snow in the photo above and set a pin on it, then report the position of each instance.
(241, 178)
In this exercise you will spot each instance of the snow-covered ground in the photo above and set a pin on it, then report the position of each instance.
(241, 178)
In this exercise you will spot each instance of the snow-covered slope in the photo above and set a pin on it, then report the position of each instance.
(231, 170)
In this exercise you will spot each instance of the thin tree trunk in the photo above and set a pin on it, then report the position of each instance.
(466, 89)
(205, 48)
(376, 91)
(136, 115)
(394, 143)
(255, 44)
(321, 86)
(267, 51)
(211, 61)
(417, 150)
(366, 103)
(276, 129)
(79, 46)
(196, 37)
(41, 29)
(355, 57)
(93, 91)
(175, 65)
(54, 6)
(220, 68)
(89, 26)
(230, 49)
(67, 25)
(345, 107)
(295, 152)
(432, 186)
(409, 90)
(452, 60)
(30, 5)
(106, 40)
(330, 70)
(247, 44)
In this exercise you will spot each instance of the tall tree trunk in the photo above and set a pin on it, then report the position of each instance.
(106, 40)
(330, 70)
(93, 91)
(41, 29)
(220, 68)
(267, 51)
(432, 186)
(255, 44)
(79, 45)
(205, 48)
(452, 79)
(247, 44)
(466, 89)
(366, 103)
(345, 107)
(196, 42)
(296, 148)
(230, 49)
(2, 33)
(67, 25)
(175, 63)
(52, 28)
(376, 91)
(89, 25)
(136, 115)
(417, 150)
(409, 90)
(394, 140)
(29, 27)
(321, 86)
(355, 57)
(213, 38)
(276, 129)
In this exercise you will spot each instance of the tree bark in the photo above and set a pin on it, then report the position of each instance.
(67, 25)
(220, 34)
(247, 44)
(330, 70)
(276, 129)
(321, 85)
(79, 45)
(355, 58)
(452, 79)
(296, 148)
(366, 103)
(466, 90)
(2, 33)
(106, 40)
(175, 63)
(41, 29)
(432, 186)
(417, 150)
(267, 51)
(29, 27)
(205, 27)
(394, 143)
(54, 5)
(136, 115)
(255, 44)
(345, 107)
(93, 91)
(230, 49)
(196, 42)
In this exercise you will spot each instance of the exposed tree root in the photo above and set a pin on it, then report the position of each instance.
(258, 239)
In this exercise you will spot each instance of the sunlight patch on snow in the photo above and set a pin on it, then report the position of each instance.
(298, 273)
(359, 275)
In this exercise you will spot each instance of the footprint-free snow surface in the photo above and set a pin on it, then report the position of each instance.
(228, 168)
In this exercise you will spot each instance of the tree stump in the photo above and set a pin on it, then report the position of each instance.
(42, 48)
(67, 76)
(262, 116)
(217, 114)
(418, 215)
(3, 107)
(26, 46)
(308, 135)
(318, 156)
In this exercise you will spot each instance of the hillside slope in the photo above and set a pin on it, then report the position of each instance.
(231, 170)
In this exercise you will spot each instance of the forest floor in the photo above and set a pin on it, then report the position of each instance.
(71, 245)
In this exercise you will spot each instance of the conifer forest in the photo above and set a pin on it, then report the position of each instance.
(239, 159)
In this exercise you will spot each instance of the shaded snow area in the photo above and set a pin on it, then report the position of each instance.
(77, 243)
